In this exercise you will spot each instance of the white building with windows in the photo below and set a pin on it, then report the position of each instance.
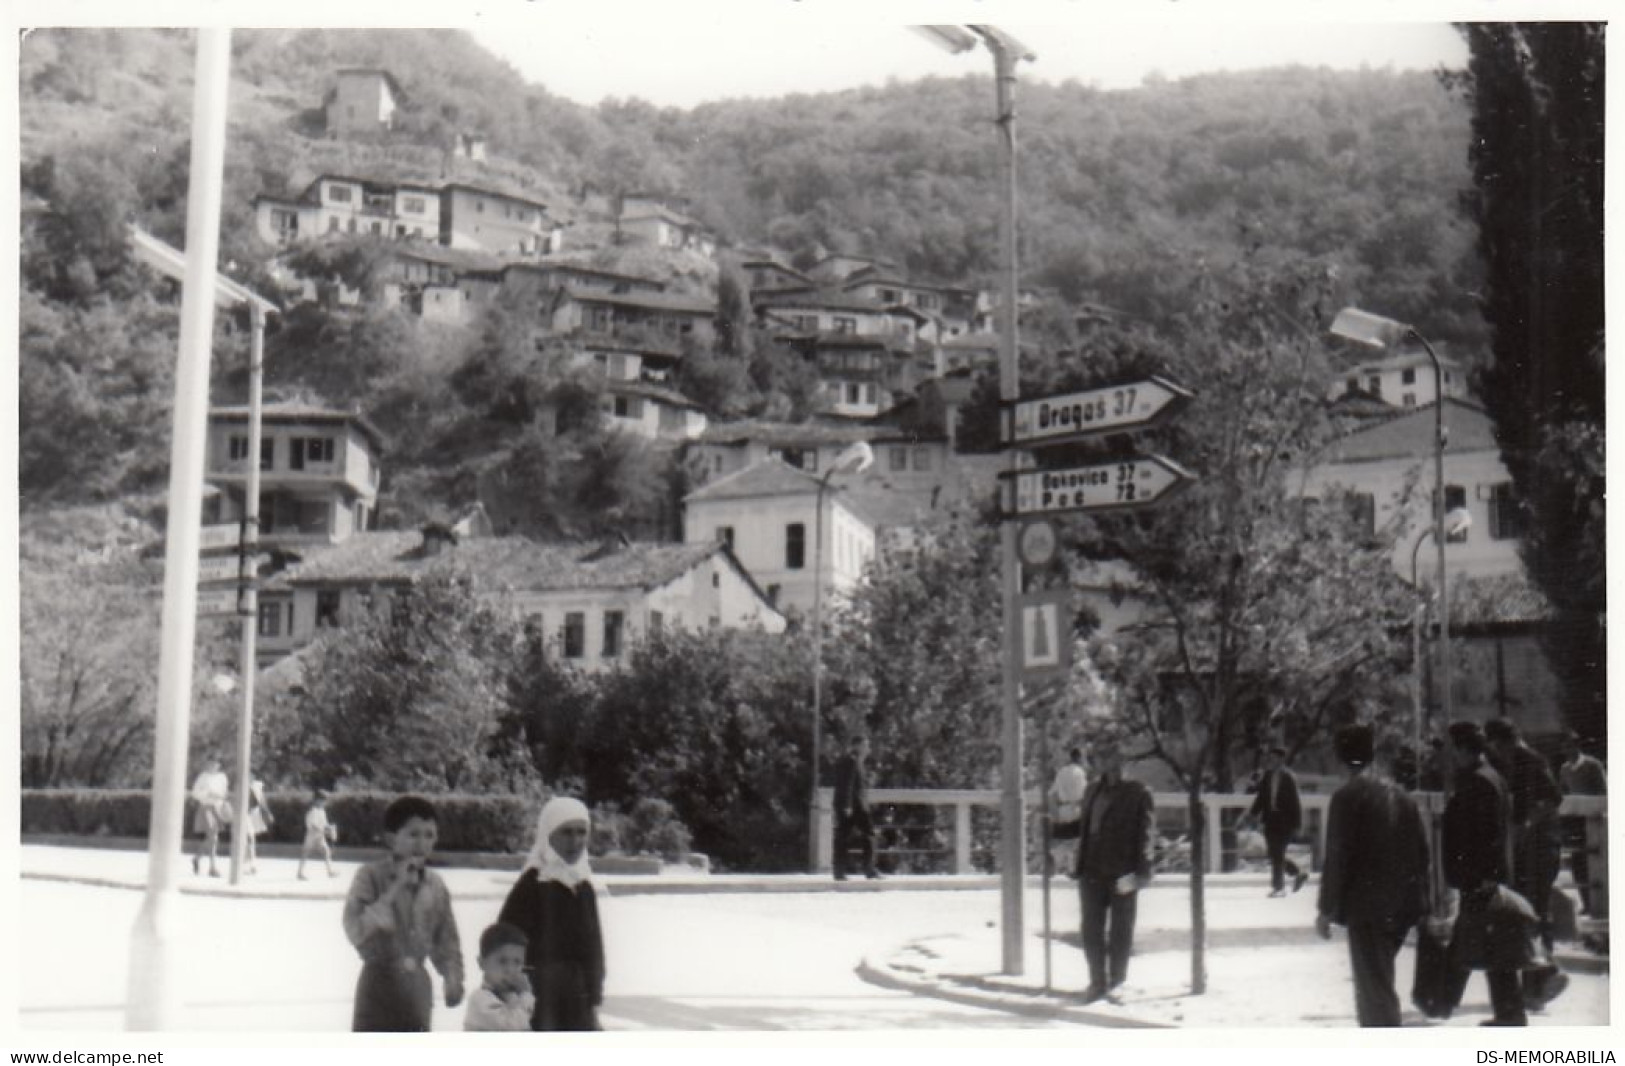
(593, 602)
(767, 514)
(1403, 380)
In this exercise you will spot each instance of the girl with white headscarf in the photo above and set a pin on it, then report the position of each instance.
(555, 902)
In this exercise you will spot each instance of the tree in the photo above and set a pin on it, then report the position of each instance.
(1267, 616)
(413, 693)
(1537, 91)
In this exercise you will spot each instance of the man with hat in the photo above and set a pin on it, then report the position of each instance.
(1375, 878)
(1114, 863)
(1477, 857)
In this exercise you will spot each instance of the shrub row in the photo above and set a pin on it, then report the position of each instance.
(499, 823)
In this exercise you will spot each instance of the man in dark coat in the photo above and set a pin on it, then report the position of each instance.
(1114, 863)
(1280, 811)
(1375, 878)
(1537, 842)
(853, 824)
(1477, 857)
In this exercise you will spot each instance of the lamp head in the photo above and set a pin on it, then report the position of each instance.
(855, 457)
(1363, 327)
(951, 39)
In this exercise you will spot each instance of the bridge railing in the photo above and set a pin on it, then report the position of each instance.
(948, 834)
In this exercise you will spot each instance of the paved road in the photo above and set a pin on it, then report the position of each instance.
(705, 962)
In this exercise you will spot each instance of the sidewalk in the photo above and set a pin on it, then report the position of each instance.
(1266, 968)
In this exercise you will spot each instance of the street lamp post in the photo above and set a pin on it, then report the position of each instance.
(1456, 521)
(1007, 52)
(855, 458)
(1375, 331)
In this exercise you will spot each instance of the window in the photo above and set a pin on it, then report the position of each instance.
(338, 194)
(1409, 399)
(351, 226)
(622, 408)
(922, 458)
(267, 453)
(1353, 384)
(327, 608)
(795, 546)
(378, 228)
(413, 205)
(1455, 497)
(1373, 384)
(360, 518)
(844, 324)
(1362, 510)
(889, 295)
(1408, 377)
(575, 635)
(1506, 513)
(332, 223)
(238, 448)
(613, 621)
(270, 619)
(899, 458)
(657, 622)
(726, 535)
(809, 460)
(854, 392)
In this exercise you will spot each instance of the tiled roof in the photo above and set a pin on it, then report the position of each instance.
(488, 190)
(784, 434)
(459, 258)
(768, 477)
(1410, 433)
(514, 563)
(558, 266)
(669, 397)
(651, 301)
(815, 301)
(300, 412)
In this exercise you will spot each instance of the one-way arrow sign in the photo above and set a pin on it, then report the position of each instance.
(1115, 486)
(1070, 416)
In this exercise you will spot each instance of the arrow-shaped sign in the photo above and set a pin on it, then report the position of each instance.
(1120, 485)
(1070, 416)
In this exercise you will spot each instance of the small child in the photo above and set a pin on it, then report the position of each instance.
(318, 831)
(504, 1001)
(260, 821)
(399, 912)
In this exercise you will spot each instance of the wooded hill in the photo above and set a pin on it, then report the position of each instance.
(1124, 193)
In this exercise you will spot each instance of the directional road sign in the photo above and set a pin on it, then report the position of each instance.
(1070, 416)
(1120, 485)
(212, 538)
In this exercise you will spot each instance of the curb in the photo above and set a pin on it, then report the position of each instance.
(981, 992)
(225, 891)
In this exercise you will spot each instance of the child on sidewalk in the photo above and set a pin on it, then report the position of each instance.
(260, 821)
(399, 912)
(504, 1001)
(318, 831)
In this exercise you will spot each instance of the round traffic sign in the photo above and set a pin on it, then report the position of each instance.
(1035, 543)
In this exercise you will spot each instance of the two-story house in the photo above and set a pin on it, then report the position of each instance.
(662, 226)
(658, 316)
(438, 283)
(1386, 466)
(593, 602)
(766, 275)
(768, 514)
(337, 204)
(550, 276)
(652, 411)
(489, 220)
(363, 102)
(839, 266)
(729, 447)
(1404, 380)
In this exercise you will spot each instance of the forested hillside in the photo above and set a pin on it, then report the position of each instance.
(1124, 194)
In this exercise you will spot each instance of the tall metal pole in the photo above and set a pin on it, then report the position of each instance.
(152, 994)
(818, 672)
(248, 597)
(1013, 836)
(1445, 667)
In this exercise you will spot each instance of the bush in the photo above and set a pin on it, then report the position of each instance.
(651, 827)
(467, 823)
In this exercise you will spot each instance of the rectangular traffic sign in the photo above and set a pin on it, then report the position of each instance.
(212, 538)
(216, 602)
(1121, 485)
(1044, 634)
(1070, 416)
(225, 567)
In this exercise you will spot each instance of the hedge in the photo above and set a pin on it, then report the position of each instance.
(467, 822)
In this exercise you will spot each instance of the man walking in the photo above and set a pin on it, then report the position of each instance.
(1114, 863)
(1278, 808)
(1580, 775)
(1375, 878)
(853, 824)
(1477, 860)
(1537, 843)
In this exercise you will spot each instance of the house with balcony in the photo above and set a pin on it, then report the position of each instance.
(363, 102)
(664, 318)
(337, 204)
(889, 288)
(438, 283)
(767, 515)
(1403, 380)
(1384, 466)
(593, 601)
(550, 276)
